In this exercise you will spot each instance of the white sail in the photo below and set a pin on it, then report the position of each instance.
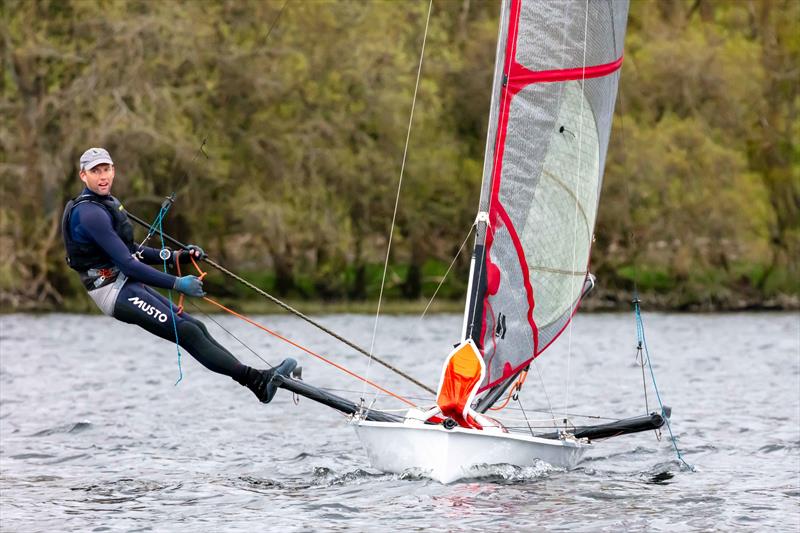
(551, 120)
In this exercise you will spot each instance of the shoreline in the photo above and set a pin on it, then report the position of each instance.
(599, 302)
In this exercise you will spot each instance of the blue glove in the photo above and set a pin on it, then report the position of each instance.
(189, 285)
(196, 251)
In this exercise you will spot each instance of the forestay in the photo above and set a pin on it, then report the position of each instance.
(554, 92)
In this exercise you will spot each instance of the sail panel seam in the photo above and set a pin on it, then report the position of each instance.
(558, 271)
(571, 193)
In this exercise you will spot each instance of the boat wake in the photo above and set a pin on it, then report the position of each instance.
(327, 477)
(494, 473)
(255, 484)
(504, 473)
(124, 490)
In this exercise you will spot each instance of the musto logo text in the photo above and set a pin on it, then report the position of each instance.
(149, 309)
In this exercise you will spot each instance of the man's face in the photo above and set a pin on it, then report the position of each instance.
(99, 179)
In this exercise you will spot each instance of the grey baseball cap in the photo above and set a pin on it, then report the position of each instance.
(95, 156)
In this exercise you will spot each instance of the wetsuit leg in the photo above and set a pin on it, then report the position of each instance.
(141, 305)
(203, 328)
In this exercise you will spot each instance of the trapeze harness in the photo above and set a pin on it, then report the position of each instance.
(98, 238)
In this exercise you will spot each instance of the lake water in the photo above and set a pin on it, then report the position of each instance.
(95, 437)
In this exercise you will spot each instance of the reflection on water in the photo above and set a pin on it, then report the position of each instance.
(93, 434)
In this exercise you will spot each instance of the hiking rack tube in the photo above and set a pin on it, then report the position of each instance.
(331, 400)
(636, 424)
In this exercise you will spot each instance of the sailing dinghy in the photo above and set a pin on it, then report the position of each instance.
(555, 85)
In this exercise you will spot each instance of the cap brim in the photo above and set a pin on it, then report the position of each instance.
(100, 161)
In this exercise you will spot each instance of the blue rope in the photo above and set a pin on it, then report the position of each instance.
(643, 342)
(158, 226)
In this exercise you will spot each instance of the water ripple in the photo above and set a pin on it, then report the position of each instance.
(64, 428)
(94, 436)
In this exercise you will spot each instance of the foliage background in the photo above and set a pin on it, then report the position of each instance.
(304, 106)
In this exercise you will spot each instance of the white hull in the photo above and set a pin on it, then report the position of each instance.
(448, 455)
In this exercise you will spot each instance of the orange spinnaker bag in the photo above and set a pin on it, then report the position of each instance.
(461, 377)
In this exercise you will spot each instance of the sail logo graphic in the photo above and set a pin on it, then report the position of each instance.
(148, 309)
(500, 330)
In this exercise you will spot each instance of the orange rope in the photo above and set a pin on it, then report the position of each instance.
(178, 267)
(200, 270)
(517, 386)
(298, 346)
(318, 356)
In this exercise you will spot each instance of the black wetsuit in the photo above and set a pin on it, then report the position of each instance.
(101, 248)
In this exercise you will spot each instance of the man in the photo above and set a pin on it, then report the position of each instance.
(115, 270)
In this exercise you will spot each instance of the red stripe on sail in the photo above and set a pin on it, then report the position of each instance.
(500, 211)
(520, 77)
(517, 78)
(499, 145)
(496, 209)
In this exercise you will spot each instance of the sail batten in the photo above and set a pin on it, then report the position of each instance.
(539, 268)
(550, 123)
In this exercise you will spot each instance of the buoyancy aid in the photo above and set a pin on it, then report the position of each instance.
(89, 259)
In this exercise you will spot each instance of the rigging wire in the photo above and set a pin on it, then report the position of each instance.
(577, 202)
(508, 408)
(527, 422)
(566, 20)
(397, 197)
(310, 352)
(288, 308)
(546, 394)
(295, 344)
(223, 328)
(277, 335)
(453, 262)
(157, 225)
(643, 340)
(640, 360)
(275, 21)
(640, 356)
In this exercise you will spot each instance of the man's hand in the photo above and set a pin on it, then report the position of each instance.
(191, 251)
(190, 285)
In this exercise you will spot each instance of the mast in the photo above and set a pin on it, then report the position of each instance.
(476, 288)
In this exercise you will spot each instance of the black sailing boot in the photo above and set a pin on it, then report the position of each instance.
(261, 382)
